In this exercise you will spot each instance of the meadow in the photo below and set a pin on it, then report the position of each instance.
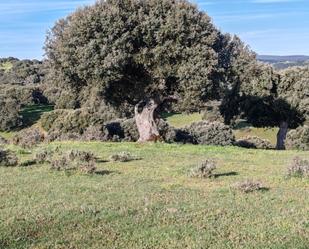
(152, 202)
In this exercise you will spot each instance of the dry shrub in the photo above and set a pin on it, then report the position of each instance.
(28, 138)
(75, 160)
(254, 142)
(3, 140)
(248, 186)
(43, 156)
(298, 168)
(123, 157)
(8, 158)
(204, 169)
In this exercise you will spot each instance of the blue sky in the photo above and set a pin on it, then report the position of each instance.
(277, 27)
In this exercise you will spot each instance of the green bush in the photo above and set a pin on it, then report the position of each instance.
(211, 133)
(298, 139)
(254, 142)
(9, 114)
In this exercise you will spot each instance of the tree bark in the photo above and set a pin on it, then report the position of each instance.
(281, 135)
(145, 120)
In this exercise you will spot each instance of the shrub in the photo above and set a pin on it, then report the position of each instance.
(298, 168)
(211, 133)
(254, 142)
(74, 121)
(8, 158)
(123, 157)
(82, 161)
(204, 169)
(93, 133)
(9, 114)
(43, 156)
(28, 138)
(3, 140)
(298, 139)
(248, 186)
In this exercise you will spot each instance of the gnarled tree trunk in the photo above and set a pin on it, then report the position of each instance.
(281, 135)
(145, 120)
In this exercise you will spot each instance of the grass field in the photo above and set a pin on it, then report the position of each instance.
(152, 203)
(181, 120)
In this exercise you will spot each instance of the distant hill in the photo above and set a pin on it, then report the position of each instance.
(282, 62)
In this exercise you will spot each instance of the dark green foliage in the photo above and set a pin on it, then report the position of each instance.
(298, 168)
(254, 142)
(294, 88)
(74, 121)
(8, 158)
(28, 138)
(204, 169)
(298, 139)
(211, 133)
(248, 186)
(21, 72)
(9, 114)
(120, 51)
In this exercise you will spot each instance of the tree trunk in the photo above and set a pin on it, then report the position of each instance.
(281, 136)
(145, 120)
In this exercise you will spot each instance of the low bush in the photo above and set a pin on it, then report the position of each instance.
(204, 169)
(123, 157)
(254, 142)
(93, 133)
(248, 186)
(74, 121)
(8, 158)
(75, 160)
(298, 139)
(3, 140)
(298, 168)
(43, 156)
(211, 133)
(28, 138)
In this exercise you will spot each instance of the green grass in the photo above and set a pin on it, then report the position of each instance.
(152, 203)
(7, 66)
(179, 120)
(32, 113)
(265, 133)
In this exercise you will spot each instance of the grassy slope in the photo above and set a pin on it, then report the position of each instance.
(151, 203)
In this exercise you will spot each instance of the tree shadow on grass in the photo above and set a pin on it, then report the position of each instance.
(106, 172)
(232, 173)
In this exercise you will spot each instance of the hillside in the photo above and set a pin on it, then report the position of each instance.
(282, 62)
